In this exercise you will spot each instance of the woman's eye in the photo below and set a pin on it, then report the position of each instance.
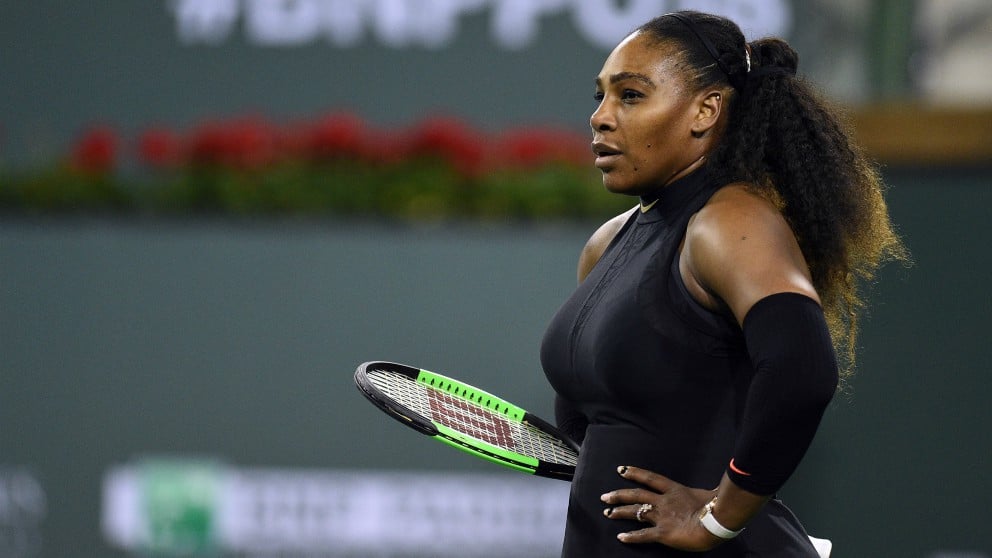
(625, 95)
(629, 94)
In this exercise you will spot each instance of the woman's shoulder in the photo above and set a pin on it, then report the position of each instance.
(739, 247)
(597, 243)
(736, 208)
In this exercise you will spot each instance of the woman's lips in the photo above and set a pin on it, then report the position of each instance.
(606, 155)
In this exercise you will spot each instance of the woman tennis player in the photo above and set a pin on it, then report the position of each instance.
(697, 355)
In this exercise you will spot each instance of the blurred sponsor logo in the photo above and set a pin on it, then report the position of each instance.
(172, 507)
(23, 507)
(514, 24)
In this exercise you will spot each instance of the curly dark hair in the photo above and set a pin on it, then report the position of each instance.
(789, 145)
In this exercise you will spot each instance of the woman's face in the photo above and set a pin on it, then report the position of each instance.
(642, 128)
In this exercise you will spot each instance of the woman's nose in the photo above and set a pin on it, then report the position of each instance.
(602, 119)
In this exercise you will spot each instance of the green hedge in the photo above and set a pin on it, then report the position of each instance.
(420, 189)
(337, 164)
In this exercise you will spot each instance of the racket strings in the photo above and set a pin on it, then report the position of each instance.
(472, 419)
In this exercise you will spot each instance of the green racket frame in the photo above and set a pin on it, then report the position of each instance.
(454, 438)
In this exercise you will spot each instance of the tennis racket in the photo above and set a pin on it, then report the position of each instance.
(468, 419)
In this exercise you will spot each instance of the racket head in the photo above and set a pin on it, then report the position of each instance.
(392, 407)
(468, 418)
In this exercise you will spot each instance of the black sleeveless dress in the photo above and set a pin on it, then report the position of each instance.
(659, 379)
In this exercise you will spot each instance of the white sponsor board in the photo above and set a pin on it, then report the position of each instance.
(183, 507)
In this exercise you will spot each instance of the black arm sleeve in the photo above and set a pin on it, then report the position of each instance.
(795, 378)
(570, 421)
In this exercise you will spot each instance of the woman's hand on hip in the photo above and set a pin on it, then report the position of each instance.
(669, 510)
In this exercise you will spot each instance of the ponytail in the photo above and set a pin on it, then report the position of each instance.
(785, 141)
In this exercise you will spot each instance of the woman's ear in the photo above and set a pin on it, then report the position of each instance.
(707, 114)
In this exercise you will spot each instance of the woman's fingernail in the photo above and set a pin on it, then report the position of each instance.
(622, 469)
(605, 497)
(608, 512)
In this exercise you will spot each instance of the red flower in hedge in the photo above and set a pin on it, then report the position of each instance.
(210, 144)
(160, 148)
(245, 143)
(451, 140)
(530, 147)
(334, 136)
(96, 151)
(386, 146)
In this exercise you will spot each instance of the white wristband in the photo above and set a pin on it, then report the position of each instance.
(713, 526)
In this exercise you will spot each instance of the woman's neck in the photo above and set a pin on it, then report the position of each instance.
(648, 200)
